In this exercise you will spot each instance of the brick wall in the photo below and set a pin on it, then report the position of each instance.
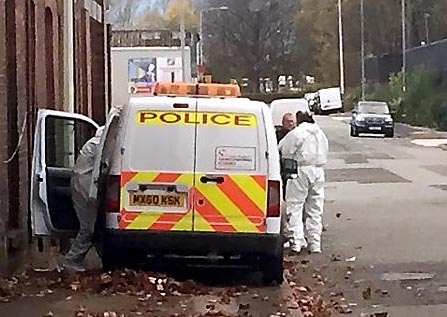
(32, 77)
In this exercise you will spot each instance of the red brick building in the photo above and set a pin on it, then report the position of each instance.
(53, 54)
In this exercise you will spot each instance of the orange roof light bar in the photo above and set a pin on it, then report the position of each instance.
(189, 89)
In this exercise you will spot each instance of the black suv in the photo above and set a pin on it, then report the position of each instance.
(372, 117)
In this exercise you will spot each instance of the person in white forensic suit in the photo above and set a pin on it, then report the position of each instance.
(308, 146)
(86, 208)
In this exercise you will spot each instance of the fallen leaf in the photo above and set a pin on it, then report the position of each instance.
(336, 258)
(367, 294)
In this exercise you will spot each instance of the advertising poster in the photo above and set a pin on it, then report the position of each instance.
(142, 74)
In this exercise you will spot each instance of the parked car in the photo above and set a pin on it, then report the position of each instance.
(372, 117)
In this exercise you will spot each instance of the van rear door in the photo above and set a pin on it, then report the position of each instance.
(231, 167)
(157, 170)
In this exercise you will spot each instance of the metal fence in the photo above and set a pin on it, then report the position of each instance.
(432, 57)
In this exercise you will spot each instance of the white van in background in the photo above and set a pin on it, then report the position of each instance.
(282, 106)
(329, 100)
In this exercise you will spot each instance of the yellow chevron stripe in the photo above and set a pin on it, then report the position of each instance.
(186, 179)
(253, 190)
(226, 207)
(200, 224)
(144, 221)
(185, 224)
(145, 177)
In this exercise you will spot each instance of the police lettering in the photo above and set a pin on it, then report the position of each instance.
(202, 118)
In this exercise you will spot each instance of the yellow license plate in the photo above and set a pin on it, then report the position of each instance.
(142, 200)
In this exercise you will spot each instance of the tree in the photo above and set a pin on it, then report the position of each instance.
(123, 13)
(316, 24)
(251, 39)
(151, 19)
(171, 15)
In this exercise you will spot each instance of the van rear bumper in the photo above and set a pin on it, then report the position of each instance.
(192, 243)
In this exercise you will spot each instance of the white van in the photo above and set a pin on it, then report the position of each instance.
(282, 106)
(183, 176)
(329, 100)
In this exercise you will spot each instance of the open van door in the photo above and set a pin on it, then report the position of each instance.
(106, 145)
(59, 137)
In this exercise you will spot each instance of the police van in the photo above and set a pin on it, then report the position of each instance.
(192, 171)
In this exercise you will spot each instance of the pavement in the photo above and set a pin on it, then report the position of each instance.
(384, 251)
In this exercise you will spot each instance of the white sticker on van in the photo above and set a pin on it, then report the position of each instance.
(235, 158)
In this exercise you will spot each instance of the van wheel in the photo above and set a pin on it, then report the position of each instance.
(272, 268)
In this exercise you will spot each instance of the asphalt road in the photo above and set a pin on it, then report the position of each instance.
(386, 213)
(387, 207)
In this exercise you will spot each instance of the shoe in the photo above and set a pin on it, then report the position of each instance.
(293, 252)
(74, 267)
(314, 249)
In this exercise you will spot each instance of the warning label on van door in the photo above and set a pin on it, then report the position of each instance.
(235, 158)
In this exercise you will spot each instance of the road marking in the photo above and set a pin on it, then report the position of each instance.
(407, 276)
(430, 142)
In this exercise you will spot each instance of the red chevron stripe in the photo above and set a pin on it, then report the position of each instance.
(261, 180)
(166, 222)
(167, 177)
(242, 201)
(212, 215)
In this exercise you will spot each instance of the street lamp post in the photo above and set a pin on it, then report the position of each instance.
(362, 19)
(341, 48)
(200, 61)
(404, 45)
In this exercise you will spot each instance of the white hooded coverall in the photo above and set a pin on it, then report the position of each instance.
(86, 209)
(308, 145)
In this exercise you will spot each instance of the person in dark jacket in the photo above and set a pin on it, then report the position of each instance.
(288, 124)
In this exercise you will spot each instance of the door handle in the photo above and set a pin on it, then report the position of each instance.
(212, 179)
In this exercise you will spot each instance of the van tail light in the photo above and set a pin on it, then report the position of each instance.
(113, 193)
(274, 199)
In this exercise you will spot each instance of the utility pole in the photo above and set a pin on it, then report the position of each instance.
(183, 40)
(341, 48)
(404, 45)
(69, 93)
(362, 19)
